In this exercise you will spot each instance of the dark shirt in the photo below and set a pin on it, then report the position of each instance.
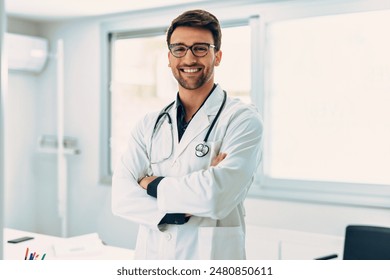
(181, 114)
(180, 117)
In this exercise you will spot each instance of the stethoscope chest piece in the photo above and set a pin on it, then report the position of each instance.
(201, 150)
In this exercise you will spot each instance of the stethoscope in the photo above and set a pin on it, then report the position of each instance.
(201, 149)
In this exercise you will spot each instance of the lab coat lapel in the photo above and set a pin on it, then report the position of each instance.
(201, 120)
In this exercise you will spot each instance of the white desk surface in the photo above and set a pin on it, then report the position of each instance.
(262, 243)
(85, 247)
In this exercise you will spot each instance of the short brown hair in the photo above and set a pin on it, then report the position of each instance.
(201, 19)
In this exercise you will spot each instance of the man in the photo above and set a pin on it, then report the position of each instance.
(187, 169)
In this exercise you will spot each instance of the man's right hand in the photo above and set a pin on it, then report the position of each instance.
(220, 157)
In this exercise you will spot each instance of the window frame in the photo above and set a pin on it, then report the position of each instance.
(338, 193)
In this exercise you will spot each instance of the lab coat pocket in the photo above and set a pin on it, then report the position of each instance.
(221, 243)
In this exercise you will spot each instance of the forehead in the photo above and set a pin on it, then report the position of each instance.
(190, 35)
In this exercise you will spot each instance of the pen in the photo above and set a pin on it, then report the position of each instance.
(31, 256)
(44, 255)
(25, 257)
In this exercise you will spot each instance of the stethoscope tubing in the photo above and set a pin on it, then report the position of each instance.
(201, 149)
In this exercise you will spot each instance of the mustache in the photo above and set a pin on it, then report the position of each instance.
(195, 64)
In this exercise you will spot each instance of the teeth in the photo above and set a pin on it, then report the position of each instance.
(191, 70)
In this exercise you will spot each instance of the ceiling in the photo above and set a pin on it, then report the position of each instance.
(46, 10)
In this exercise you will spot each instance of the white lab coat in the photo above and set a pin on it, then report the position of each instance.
(212, 195)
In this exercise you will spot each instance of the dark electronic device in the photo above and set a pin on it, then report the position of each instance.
(20, 239)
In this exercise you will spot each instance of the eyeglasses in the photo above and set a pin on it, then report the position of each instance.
(198, 49)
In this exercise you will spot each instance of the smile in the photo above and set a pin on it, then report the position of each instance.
(190, 70)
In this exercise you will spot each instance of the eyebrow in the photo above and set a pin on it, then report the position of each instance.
(176, 44)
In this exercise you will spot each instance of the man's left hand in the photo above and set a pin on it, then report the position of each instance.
(144, 182)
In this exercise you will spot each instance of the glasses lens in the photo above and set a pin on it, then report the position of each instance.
(178, 50)
(200, 49)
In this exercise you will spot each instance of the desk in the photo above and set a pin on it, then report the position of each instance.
(85, 247)
(264, 243)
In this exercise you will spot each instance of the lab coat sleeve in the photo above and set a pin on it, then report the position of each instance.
(129, 200)
(216, 191)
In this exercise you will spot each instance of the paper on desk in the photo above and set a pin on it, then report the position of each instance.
(87, 244)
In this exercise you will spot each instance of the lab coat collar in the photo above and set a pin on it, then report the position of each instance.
(201, 120)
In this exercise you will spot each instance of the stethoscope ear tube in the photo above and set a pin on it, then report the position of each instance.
(157, 125)
(164, 112)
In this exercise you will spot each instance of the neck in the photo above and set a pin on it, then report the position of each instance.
(193, 99)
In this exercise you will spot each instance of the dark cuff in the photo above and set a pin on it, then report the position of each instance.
(152, 187)
(175, 219)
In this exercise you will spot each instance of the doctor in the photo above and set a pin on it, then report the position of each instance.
(188, 168)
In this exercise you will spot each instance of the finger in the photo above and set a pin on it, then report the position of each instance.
(222, 156)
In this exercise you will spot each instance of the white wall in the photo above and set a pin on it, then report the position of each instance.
(2, 30)
(89, 201)
(22, 26)
(20, 145)
(312, 217)
(21, 140)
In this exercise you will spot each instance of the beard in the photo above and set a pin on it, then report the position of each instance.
(192, 83)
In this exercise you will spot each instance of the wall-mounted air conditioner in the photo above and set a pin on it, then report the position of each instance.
(26, 53)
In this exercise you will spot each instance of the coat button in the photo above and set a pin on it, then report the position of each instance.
(168, 236)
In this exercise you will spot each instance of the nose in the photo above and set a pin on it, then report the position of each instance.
(189, 56)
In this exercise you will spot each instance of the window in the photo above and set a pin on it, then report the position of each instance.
(327, 103)
(141, 80)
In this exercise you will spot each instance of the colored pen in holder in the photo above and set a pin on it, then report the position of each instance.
(33, 256)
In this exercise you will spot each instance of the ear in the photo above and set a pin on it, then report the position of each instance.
(218, 57)
(169, 59)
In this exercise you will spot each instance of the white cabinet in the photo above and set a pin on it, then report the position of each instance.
(277, 244)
